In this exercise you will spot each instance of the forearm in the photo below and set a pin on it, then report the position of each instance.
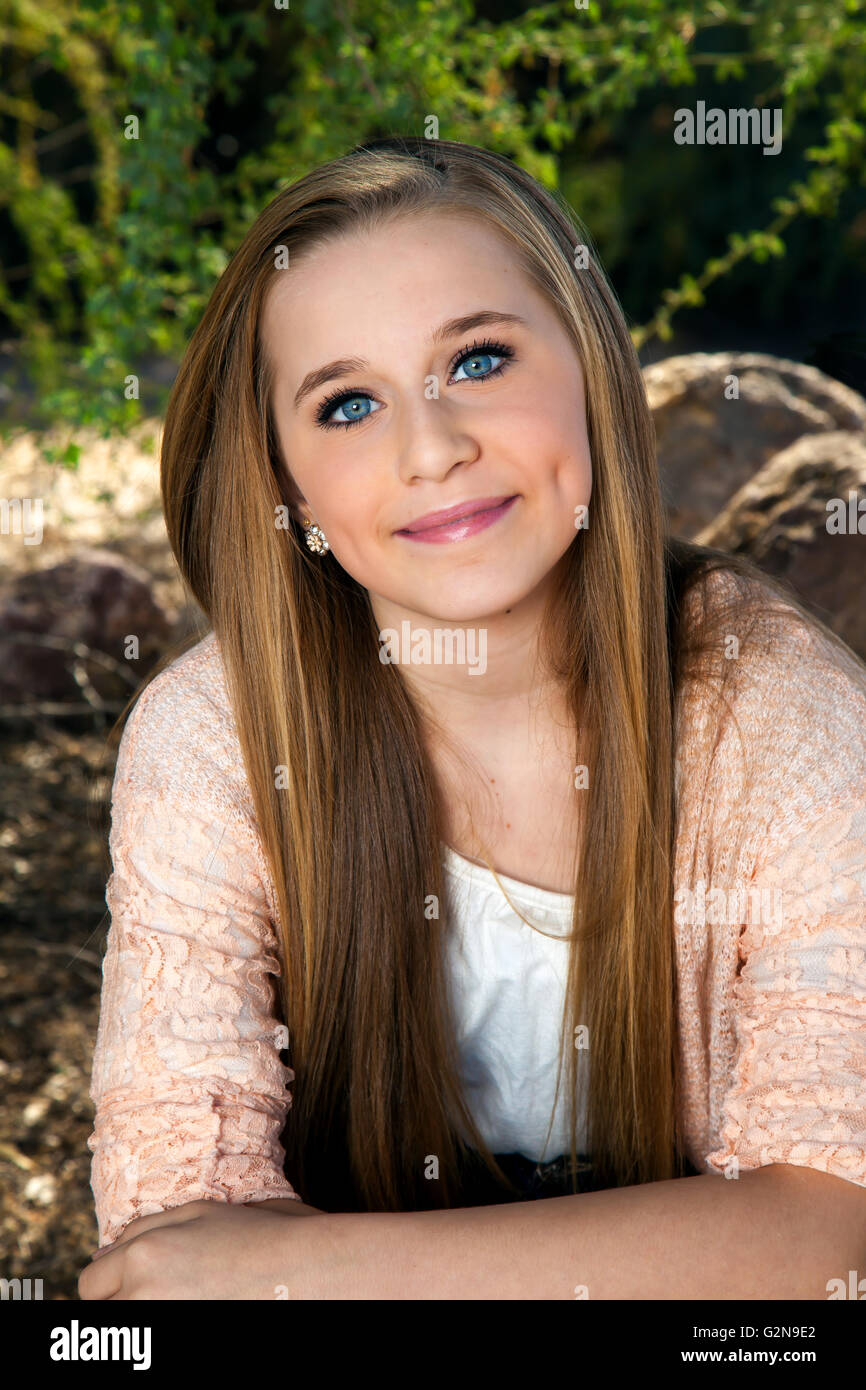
(777, 1232)
(289, 1205)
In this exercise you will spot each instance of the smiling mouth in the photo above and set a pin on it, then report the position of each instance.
(484, 504)
(464, 526)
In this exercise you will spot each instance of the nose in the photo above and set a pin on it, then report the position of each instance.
(430, 441)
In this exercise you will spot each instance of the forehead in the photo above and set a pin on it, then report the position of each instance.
(407, 275)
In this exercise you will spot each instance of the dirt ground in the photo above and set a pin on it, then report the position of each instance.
(55, 786)
(54, 865)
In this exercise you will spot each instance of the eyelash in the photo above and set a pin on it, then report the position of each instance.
(336, 398)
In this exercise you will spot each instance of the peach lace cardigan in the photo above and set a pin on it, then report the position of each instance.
(189, 1088)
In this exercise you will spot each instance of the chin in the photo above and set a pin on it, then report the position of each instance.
(472, 609)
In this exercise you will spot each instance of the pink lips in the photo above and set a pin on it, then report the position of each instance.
(456, 523)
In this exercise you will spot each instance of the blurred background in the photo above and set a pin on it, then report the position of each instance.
(138, 141)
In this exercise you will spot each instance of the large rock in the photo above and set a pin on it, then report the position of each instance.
(709, 446)
(95, 597)
(780, 520)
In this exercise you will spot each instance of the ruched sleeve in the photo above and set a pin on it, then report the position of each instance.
(189, 1089)
(798, 1090)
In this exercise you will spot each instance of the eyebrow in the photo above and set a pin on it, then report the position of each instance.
(347, 366)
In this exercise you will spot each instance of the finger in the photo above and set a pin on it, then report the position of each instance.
(100, 1281)
(105, 1250)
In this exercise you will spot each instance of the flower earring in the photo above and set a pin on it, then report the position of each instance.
(315, 537)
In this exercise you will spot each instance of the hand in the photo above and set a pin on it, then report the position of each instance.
(210, 1250)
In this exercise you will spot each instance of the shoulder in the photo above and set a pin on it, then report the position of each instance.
(181, 733)
(192, 681)
(782, 718)
(774, 665)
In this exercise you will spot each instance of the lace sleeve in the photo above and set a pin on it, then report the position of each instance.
(189, 1088)
(798, 1093)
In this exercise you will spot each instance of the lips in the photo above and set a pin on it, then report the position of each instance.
(451, 514)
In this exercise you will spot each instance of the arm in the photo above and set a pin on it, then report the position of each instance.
(290, 1206)
(778, 1232)
(188, 1085)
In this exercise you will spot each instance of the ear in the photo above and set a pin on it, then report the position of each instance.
(295, 500)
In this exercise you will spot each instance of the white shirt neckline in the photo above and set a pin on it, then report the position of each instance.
(555, 908)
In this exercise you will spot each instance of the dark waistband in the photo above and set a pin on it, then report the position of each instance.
(531, 1178)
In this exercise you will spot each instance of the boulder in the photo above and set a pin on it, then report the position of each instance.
(94, 597)
(785, 518)
(709, 446)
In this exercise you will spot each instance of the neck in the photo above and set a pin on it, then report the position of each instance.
(501, 743)
(473, 677)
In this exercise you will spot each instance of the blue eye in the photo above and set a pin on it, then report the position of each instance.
(351, 404)
(475, 358)
(354, 401)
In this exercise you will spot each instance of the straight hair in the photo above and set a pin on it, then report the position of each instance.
(353, 832)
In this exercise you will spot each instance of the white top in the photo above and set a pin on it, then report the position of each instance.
(507, 985)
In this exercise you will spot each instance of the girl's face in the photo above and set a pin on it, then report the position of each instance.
(393, 399)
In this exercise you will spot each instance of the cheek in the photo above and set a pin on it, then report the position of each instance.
(353, 525)
(549, 431)
(558, 459)
(579, 472)
(564, 478)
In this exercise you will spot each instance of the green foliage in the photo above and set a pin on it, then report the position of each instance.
(121, 232)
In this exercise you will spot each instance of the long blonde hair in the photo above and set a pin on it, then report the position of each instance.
(353, 832)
